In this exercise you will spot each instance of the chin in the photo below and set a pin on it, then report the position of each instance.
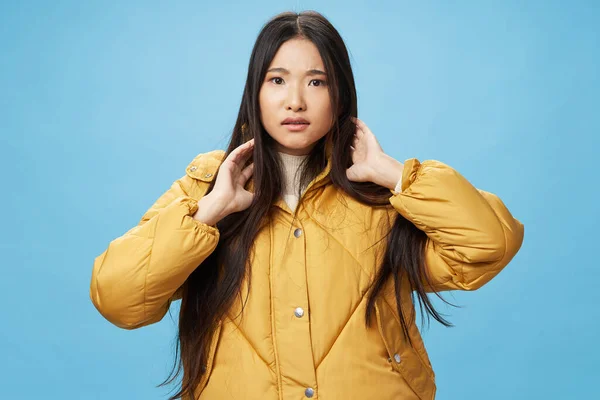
(295, 146)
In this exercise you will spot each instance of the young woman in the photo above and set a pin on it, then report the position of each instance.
(298, 252)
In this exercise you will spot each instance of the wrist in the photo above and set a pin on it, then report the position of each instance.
(389, 172)
(210, 210)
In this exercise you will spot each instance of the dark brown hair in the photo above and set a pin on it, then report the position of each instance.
(210, 291)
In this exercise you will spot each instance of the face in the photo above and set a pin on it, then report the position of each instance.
(295, 86)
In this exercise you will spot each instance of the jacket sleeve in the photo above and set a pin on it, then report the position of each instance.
(135, 279)
(471, 234)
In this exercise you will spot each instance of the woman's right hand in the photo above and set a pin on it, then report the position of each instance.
(228, 195)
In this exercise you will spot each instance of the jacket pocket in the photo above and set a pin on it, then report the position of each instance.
(209, 361)
(402, 356)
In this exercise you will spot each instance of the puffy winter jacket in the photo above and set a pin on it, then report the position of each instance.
(302, 333)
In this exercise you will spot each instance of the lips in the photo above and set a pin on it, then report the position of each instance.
(295, 121)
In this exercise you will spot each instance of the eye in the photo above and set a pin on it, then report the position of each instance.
(319, 81)
(280, 79)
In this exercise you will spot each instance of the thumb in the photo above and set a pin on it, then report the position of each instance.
(351, 173)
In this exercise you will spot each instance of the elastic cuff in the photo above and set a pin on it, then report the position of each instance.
(411, 166)
(409, 174)
(192, 205)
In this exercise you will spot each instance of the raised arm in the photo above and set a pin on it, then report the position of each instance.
(135, 279)
(471, 234)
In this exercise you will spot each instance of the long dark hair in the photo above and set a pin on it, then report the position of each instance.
(210, 290)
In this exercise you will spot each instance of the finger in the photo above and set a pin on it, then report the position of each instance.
(247, 172)
(234, 155)
(350, 173)
(359, 133)
(357, 121)
(248, 151)
(361, 125)
(241, 152)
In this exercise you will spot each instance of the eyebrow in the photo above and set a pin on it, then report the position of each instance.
(309, 72)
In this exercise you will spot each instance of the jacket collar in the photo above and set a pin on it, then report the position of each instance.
(205, 166)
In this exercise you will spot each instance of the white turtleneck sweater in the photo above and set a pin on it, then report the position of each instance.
(290, 165)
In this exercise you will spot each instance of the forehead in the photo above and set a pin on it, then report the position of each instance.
(298, 55)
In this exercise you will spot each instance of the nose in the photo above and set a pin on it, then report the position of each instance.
(295, 99)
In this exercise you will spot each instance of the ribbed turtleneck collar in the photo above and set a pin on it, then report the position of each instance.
(290, 165)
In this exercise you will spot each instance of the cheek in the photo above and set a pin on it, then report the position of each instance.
(325, 114)
(267, 107)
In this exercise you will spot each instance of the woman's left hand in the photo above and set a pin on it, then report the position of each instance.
(370, 163)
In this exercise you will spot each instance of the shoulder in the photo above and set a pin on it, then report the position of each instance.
(200, 172)
(205, 165)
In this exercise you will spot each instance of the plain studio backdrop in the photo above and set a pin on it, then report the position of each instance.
(104, 103)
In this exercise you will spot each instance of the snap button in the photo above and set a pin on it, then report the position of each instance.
(397, 358)
(208, 175)
(193, 168)
(309, 392)
(298, 232)
(299, 312)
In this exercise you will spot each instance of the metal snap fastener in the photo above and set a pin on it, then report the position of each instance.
(208, 175)
(299, 312)
(193, 168)
(298, 232)
(397, 358)
(309, 392)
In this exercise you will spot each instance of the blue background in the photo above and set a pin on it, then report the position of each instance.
(103, 104)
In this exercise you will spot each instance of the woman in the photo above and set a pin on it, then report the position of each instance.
(297, 251)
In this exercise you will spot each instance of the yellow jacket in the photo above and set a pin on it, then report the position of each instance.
(302, 333)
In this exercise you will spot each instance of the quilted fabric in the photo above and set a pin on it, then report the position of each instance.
(302, 332)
